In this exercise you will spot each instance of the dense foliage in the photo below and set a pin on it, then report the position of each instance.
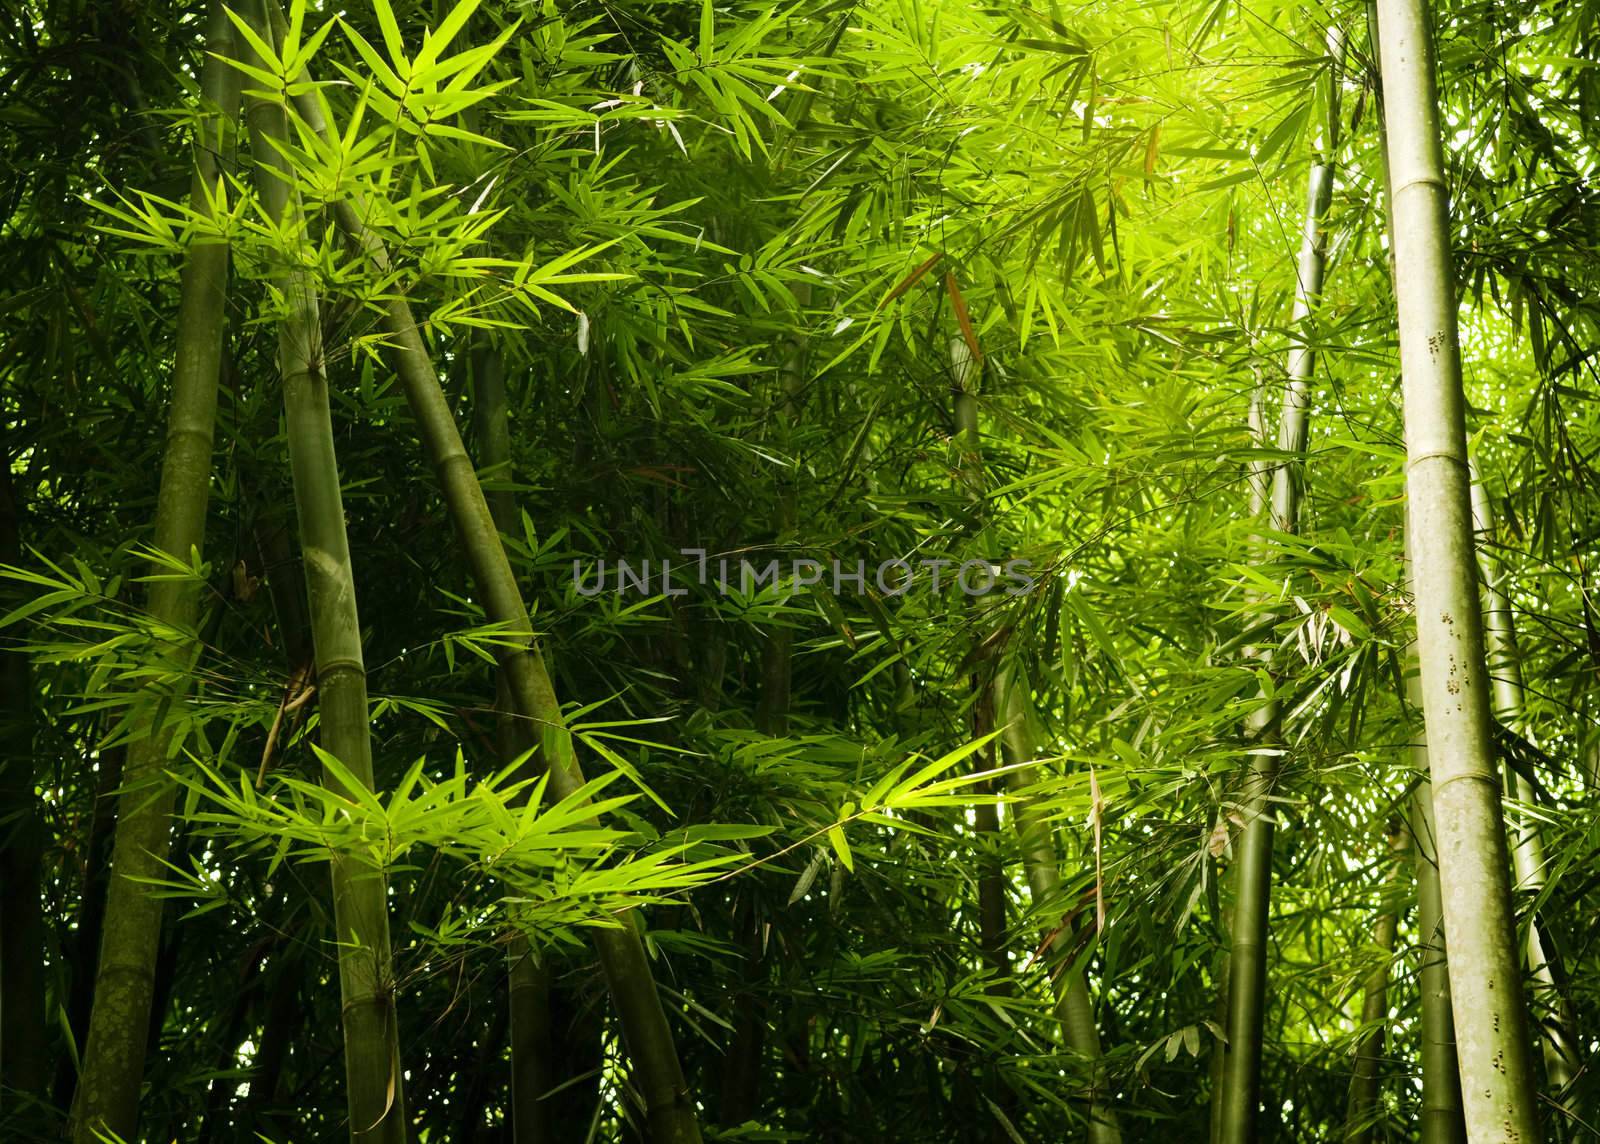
(713, 285)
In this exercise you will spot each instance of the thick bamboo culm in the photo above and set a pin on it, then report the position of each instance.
(107, 1095)
(1485, 978)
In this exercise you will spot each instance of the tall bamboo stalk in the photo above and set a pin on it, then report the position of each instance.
(1001, 704)
(669, 1108)
(107, 1095)
(1361, 1116)
(527, 978)
(1247, 959)
(375, 1087)
(1041, 862)
(1442, 1118)
(1490, 1014)
(966, 374)
(1561, 1056)
(742, 1062)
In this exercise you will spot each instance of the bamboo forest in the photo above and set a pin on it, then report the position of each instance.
(673, 571)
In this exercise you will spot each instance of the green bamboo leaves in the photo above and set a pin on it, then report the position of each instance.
(774, 850)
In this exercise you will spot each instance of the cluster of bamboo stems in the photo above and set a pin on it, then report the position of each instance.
(1455, 838)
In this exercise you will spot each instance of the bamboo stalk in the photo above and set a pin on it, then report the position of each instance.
(107, 1096)
(1490, 1014)
(670, 1110)
(966, 373)
(1240, 1093)
(1041, 863)
(1363, 1109)
(1442, 1120)
(375, 1090)
(1000, 702)
(527, 979)
(1561, 1055)
(741, 1063)
(1442, 1117)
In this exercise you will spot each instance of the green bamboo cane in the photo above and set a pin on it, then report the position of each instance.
(360, 902)
(1561, 1057)
(966, 375)
(527, 978)
(1442, 1118)
(1490, 1013)
(669, 1108)
(1240, 1093)
(1041, 862)
(107, 1096)
(1362, 1112)
(742, 1061)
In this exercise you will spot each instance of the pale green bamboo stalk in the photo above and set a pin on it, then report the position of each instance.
(1041, 864)
(670, 1110)
(373, 1076)
(1490, 1014)
(1240, 1093)
(107, 1096)
(1561, 1055)
(1361, 1115)
(1442, 1118)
